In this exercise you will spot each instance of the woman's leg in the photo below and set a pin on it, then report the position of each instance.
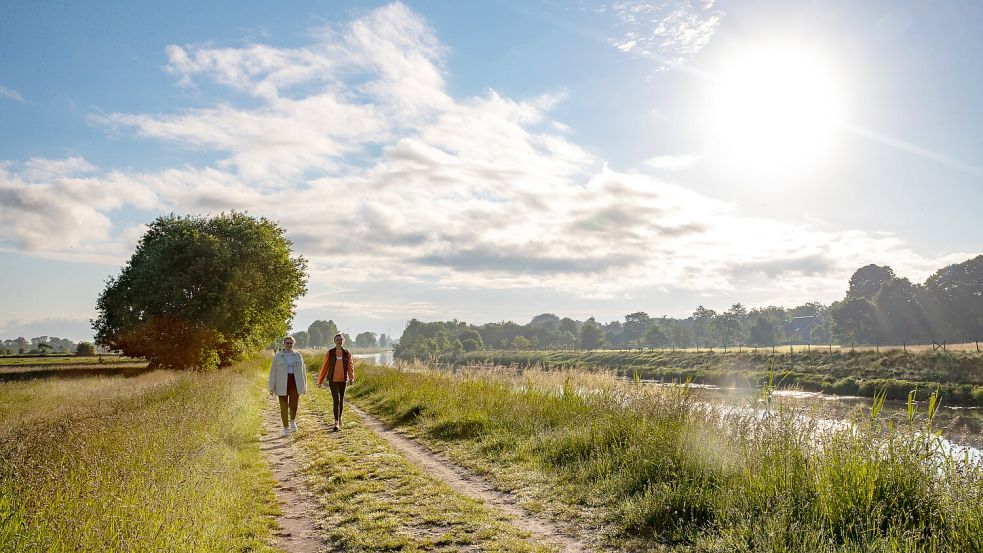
(341, 400)
(293, 397)
(335, 399)
(283, 410)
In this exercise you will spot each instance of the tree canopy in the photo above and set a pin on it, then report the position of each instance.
(202, 292)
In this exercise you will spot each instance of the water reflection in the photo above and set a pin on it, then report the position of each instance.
(959, 425)
(379, 358)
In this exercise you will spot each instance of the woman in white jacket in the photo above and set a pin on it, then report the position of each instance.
(288, 379)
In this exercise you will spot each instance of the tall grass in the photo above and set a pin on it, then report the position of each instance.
(668, 472)
(160, 462)
(959, 374)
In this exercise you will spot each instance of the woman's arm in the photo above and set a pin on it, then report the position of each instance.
(324, 368)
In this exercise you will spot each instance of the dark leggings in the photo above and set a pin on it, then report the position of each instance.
(338, 398)
(290, 400)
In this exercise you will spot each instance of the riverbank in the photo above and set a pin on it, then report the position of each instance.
(957, 374)
(650, 469)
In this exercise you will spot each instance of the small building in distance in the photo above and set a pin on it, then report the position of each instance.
(799, 329)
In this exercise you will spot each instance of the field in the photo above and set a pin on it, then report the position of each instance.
(652, 470)
(159, 462)
(52, 360)
(959, 374)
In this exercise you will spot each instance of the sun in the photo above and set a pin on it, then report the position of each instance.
(774, 108)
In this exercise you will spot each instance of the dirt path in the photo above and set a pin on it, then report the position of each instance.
(297, 533)
(466, 482)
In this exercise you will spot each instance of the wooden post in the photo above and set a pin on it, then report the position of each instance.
(877, 347)
(904, 346)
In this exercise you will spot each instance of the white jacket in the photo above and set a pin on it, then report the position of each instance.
(278, 373)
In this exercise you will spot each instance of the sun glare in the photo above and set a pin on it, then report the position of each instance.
(774, 108)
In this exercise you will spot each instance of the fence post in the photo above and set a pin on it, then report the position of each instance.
(943, 345)
(877, 347)
(977, 346)
(904, 346)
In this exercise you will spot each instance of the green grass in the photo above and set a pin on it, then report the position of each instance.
(160, 462)
(959, 374)
(658, 471)
(60, 359)
(373, 499)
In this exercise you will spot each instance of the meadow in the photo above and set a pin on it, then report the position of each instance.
(163, 461)
(958, 374)
(651, 469)
(64, 359)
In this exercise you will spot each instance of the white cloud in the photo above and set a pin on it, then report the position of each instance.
(11, 94)
(363, 85)
(670, 33)
(52, 205)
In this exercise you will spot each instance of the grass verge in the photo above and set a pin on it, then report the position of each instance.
(160, 462)
(373, 499)
(663, 472)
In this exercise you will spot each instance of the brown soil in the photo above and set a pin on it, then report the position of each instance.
(472, 485)
(298, 532)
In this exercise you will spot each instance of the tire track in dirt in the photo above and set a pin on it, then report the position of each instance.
(472, 485)
(298, 531)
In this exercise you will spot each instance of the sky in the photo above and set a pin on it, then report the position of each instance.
(491, 161)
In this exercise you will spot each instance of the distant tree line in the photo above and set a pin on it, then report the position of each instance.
(879, 307)
(320, 334)
(45, 344)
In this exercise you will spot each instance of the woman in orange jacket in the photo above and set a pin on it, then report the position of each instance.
(339, 369)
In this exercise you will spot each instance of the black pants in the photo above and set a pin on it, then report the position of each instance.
(338, 397)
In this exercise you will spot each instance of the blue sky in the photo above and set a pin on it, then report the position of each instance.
(494, 160)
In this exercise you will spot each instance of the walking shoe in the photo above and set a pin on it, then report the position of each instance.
(293, 426)
(286, 431)
(335, 426)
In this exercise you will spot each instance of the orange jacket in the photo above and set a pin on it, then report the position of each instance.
(329, 364)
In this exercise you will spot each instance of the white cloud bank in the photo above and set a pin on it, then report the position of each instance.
(379, 176)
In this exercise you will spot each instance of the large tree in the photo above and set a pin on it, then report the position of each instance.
(591, 335)
(867, 280)
(365, 340)
(202, 292)
(955, 299)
